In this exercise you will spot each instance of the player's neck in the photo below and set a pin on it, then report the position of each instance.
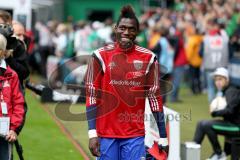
(122, 49)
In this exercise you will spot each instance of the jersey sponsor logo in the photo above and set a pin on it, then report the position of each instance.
(125, 83)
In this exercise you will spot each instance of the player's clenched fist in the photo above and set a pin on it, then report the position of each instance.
(94, 146)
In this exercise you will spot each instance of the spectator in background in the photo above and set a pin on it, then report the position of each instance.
(230, 111)
(165, 55)
(64, 50)
(45, 44)
(18, 61)
(215, 51)
(227, 13)
(234, 15)
(60, 40)
(105, 32)
(81, 43)
(180, 62)
(70, 53)
(19, 30)
(94, 39)
(193, 45)
(13, 101)
(142, 38)
(235, 42)
(154, 37)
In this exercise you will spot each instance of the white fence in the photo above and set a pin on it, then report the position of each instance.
(174, 131)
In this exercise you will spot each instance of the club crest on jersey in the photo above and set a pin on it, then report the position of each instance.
(138, 64)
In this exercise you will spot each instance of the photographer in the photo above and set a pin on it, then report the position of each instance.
(18, 61)
(11, 106)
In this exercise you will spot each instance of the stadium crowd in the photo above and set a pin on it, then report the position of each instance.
(190, 39)
(182, 36)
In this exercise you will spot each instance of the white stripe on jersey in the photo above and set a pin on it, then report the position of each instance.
(150, 63)
(152, 99)
(89, 82)
(93, 88)
(156, 84)
(100, 58)
(90, 87)
(153, 89)
(143, 50)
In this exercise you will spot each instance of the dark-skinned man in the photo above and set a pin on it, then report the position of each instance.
(120, 77)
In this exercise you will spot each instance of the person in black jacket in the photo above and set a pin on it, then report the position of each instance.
(230, 114)
(18, 60)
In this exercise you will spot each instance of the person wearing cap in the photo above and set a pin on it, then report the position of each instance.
(215, 53)
(227, 116)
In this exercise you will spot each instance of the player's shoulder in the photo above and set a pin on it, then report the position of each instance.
(104, 52)
(143, 50)
(105, 49)
(98, 51)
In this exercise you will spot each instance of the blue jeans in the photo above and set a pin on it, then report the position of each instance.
(122, 149)
(211, 89)
(178, 73)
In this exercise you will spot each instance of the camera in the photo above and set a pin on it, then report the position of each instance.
(6, 30)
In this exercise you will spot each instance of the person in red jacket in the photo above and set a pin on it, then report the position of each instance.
(119, 79)
(180, 61)
(11, 104)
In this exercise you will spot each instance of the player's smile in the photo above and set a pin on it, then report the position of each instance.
(126, 32)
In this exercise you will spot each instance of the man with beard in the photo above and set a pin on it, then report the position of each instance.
(119, 78)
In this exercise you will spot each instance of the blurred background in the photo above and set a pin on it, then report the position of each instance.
(62, 34)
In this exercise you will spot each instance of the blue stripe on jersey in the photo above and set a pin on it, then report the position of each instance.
(91, 116)
(159, 117)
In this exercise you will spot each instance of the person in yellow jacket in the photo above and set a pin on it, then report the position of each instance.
(193, 46)
(154, 37)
